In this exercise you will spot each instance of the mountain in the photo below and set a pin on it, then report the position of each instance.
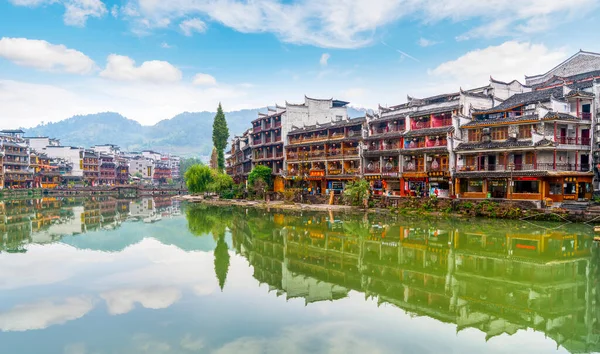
(186, 134)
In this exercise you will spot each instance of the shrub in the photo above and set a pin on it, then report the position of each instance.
(356, 192)
(198, 178)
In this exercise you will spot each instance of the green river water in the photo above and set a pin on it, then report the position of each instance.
(153, 276)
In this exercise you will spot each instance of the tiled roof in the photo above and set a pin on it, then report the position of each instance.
(546, 142)
(429, 131)
(434, 111)
(508, 143)
(560, 116)
(581, 78)
(484, 122)
(386, 135)
(311, 128)
(525, 98)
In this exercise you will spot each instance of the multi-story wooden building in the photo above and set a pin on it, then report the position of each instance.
(266, 140)
(108, 170)
(536, 145)
(326, 156)
(90, 161)
(122, 170)
(15, 162)
(162, 173)
(239, 162)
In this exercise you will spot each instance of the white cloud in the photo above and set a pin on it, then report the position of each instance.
(44, 313)
(114, 11)
(424, 42)
(354, 23)
(42, 55)
(123, 300)
(188, 27)
(507, 61)
(166, 45)
(324, 59)
(76, 11)
(204, 80)
(122, 68)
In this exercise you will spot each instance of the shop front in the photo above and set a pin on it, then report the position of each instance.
(414, 184)
(376, 183)
(439, 184)
(568, 188)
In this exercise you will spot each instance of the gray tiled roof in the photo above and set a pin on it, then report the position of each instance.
(525, 98)
(484, 122)
(434, 111)
(429, 131)
(508, 143)
(312, 128)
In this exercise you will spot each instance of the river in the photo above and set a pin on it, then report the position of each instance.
(153, 276)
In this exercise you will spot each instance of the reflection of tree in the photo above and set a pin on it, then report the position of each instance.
(203, 220)
(221, 260)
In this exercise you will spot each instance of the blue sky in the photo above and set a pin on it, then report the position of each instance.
(150, 59)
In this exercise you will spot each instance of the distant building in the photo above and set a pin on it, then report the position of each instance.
(108, 170)
(15, 161)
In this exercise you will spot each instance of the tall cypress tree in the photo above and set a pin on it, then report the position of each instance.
(220, 136)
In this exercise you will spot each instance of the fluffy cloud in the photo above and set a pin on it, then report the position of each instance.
(76, 11)
(204, 80)
(424, 42)
(354, 23)
(123, 300)
(188, 27)
(44, 313)
(508, 61)
(324, 59)
(42, 55)
(122, 68)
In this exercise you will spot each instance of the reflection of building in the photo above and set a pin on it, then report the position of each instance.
(496, 281)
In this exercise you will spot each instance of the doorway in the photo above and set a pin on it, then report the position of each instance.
(492, 163)
(518, 162)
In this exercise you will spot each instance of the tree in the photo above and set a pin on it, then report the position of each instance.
(187, 163)
(356, 192)
(220, 182)
(262, 173)
(214, 160)
(198, 178)
(221, 254)
(220, 136)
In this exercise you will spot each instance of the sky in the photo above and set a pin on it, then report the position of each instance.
(153, 59)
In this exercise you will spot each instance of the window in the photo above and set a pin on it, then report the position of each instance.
(474, 135)
(499, 133)
(570, 188)
(472, 185)
(525, 131)
(338, 118)
(526, 187)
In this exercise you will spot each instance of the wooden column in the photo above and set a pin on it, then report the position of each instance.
(576, 158)
(535, 156)
(578, 116)
(554, 130)
(554, 160)
(576, 134)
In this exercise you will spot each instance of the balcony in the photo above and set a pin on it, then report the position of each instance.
(372, 168)
(256, 129)
(585, 116)
(411, 167)
(573, 141)
(279, 154)
(335, 171)
(439, 167)
(415, 144)
(374, 147)
(334, 153)
(277, 124)
(436, 143)
(393, 146)
(267, 140)
(267, 126)
(390, 168)
(420, 125)
(317, 154)
(350, 151)
(441, 122)
(352, 171)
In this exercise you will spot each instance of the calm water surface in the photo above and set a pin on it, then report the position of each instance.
(150, 276)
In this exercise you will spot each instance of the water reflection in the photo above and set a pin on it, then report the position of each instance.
(116, 276)
(497, 277)
(47, 220)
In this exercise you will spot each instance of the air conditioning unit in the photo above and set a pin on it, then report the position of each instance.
(485, 130)
(513, 135)
(429, 158)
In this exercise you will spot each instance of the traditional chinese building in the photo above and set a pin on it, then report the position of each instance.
(239, 162)
(162, 173)
(90, 161)
(122, 170)
(108, 170)
(409, 150)
(267, 142)
(326, 156)
(535, 145)
(16, 169)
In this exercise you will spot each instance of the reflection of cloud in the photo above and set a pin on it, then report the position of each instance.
(329, 337)
(122, 300)
(191, 344)
(45, 313)
(75, 348)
